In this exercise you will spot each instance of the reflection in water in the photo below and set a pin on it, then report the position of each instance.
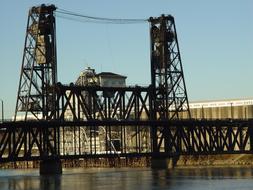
(161, 178)
(50, 182)
(28, 179)
(215, 172)
(129, 178)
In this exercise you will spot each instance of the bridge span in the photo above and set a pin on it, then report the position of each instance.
(109, 122)
(44, 140)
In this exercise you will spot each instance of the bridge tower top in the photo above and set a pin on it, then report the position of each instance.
(167, 78)
(36, 97)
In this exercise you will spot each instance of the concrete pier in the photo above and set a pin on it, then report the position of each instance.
(50, 167)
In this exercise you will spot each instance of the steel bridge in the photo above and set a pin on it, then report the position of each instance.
(110, 122)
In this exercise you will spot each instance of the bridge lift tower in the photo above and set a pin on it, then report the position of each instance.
(36, 94)
(167, 78)
(169, 96)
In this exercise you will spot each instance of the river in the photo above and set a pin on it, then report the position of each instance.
(130, 178)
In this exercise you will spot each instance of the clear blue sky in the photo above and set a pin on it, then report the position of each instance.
(215, 39)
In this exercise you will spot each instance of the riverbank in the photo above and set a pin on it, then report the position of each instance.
(183, 162)
(216, 160)
(85, 163)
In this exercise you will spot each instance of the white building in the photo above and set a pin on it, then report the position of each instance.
(222, 109)
(108, 79)
(88, 77)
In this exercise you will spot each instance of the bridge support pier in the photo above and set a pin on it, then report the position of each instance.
(163, 162)
(50, 167)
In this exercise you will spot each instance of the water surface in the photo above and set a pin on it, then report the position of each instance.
(130, 178)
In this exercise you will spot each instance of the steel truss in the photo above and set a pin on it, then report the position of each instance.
(30, 140)
(77, 103)
(85, 103)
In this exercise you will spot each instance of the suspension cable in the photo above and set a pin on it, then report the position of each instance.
(62, 13)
